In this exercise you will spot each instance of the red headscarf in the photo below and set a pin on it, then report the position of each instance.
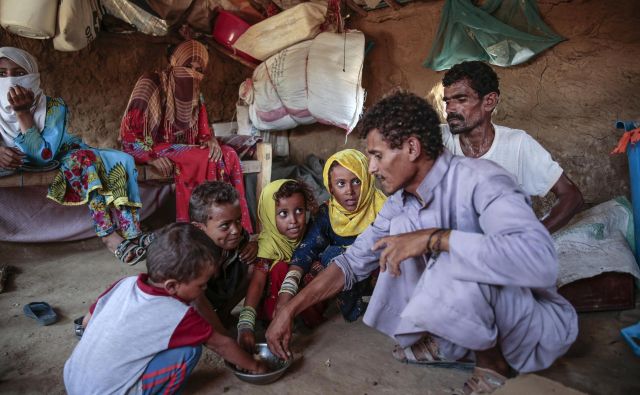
(171, 97)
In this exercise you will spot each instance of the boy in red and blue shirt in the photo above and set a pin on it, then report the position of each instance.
(142, 335)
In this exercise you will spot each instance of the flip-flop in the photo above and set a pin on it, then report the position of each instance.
(632, 335)
(41, 312)
(127, 247)
(426, 352)
(483, 381)
(78, 329)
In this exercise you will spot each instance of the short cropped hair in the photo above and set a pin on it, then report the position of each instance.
(180, 252)
(480, 75)
(207, 194)
(401, 115)
(297, 186)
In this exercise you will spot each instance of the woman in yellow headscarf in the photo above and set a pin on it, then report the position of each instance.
(352, 207)
(282, 211)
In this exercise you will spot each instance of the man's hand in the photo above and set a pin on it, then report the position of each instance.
(21, 99)
(279, 334)
(283, 299)
(215, 152)
(247, 340)
(164, 166)
(249, 252)
(10, 158)
(396, 249)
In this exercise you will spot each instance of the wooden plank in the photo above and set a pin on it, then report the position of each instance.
(27, 179)
(148, 173)
(250, 166)
(264, 156)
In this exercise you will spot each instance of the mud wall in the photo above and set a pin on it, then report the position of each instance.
(567, 98)
(96, 82)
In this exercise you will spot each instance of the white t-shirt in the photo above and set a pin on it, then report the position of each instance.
(519, 154)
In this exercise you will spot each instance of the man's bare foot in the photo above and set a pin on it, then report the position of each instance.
(493, 359)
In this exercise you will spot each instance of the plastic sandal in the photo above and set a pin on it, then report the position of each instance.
(126, 248)
(146, 239)
(426, 352)
(483, 381)
(632, 335)
(41, 312)
(140, 253)
(78, 329)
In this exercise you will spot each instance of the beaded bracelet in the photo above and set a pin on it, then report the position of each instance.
(247, 319)
(290, 283)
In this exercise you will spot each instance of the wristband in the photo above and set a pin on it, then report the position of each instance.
(247, 319)
(436, 247)
(431, 236)
(290, 283)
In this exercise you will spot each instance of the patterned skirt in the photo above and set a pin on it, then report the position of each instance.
(84, 169)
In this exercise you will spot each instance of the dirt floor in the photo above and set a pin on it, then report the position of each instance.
(335, 358)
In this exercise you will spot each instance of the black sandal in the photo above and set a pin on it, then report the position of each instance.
(145, 239)
(125, 248)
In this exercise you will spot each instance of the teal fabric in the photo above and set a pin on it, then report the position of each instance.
(83, 169)
(500, 32)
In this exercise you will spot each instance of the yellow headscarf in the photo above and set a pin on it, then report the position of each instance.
(271, 243)
(344, 222)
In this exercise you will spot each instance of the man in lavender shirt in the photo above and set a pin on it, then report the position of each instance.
(467, 270)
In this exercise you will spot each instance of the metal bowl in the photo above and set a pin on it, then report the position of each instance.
(276, 367)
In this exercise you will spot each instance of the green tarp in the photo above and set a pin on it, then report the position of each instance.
(500, 32)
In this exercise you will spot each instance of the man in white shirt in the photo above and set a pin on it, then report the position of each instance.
(471, 93)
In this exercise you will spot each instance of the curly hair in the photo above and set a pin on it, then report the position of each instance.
(207, 194)
(401, 115)
(180, 252)
(480, 75)
(297, 186)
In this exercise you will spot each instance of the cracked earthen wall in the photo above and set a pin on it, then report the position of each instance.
(96, 82)
(567, 98)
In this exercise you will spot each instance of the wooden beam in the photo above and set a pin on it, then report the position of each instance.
(262, 166)
(264, 156)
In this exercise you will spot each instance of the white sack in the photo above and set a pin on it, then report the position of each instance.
(78, 24)
(282, 30)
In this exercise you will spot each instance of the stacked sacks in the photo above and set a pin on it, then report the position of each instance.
(313, 81)
(277, 92)
(334, 72)
(274, 34)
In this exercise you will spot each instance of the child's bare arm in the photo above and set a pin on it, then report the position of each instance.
(256, 288)
(205, 309)
(231, 352)
(249, 252)
(246, 336)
